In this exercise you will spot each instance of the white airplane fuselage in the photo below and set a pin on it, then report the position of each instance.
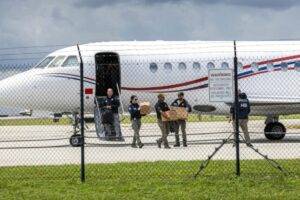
(272, 82)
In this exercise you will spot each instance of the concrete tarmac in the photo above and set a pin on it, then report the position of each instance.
(49, 145)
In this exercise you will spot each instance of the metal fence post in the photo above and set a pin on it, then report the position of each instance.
(236, 109)
(82, 168)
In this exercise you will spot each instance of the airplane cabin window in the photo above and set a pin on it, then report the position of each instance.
(71, 61)
(153, 67)
(168, 66)
(270, 66)
(297, 66)
(196, 66)
(182, 66)
(210, 65)
(224, 65)
(284, 66)
(57, 61)
(45, 62)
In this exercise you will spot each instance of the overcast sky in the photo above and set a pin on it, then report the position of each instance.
(53, 22)
(43, 22)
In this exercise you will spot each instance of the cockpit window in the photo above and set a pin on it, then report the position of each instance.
(45, 62)
(57, 61)
(71, 61)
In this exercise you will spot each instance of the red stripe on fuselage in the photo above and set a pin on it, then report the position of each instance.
(273, 60)
(168, 86)
(173, 86)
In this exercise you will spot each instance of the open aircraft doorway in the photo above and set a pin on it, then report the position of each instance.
(108, 73)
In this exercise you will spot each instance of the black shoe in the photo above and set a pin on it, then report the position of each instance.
(158, 143)
(184, 145)
(141, 145)
(177, 145)
(133, 146)
(167, 147)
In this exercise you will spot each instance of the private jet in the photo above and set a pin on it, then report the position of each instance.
(268, 72)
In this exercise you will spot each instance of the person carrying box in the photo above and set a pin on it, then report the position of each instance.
(181, 102)
(135, 117)
(161, 108)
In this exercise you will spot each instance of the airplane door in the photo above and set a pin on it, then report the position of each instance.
(108, 73)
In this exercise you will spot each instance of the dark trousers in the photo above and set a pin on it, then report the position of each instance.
(180, 124)
(136, 126)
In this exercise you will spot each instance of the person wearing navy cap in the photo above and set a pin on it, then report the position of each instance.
(243, 112)
(135, 117)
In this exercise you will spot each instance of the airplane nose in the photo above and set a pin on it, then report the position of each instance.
(6, 87)
(11, 91)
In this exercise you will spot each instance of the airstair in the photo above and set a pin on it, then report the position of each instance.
(101, 131)
(98, 120)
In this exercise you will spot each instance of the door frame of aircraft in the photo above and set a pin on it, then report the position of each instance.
(108, 73)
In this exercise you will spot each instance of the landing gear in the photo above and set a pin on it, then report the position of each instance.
(76, 139)
(274, 130)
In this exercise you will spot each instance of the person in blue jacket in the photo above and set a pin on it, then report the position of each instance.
(111, 104)
(135, 117)
(243, 113)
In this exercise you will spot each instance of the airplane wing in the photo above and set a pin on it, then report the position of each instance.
(273, 100)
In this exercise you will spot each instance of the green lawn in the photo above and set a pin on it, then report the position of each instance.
(33, 121)
(126, 120)
(157, 180)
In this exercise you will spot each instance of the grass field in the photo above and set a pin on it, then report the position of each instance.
(158, 180)
(125, 120)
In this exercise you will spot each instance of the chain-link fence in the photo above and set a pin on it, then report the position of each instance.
(34, 144)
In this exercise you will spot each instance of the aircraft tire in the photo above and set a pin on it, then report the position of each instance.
(278, 129)
(76, 140)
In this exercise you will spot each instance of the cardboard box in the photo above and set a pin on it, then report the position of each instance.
(171, 114)
(145, 108)
(181, 113)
